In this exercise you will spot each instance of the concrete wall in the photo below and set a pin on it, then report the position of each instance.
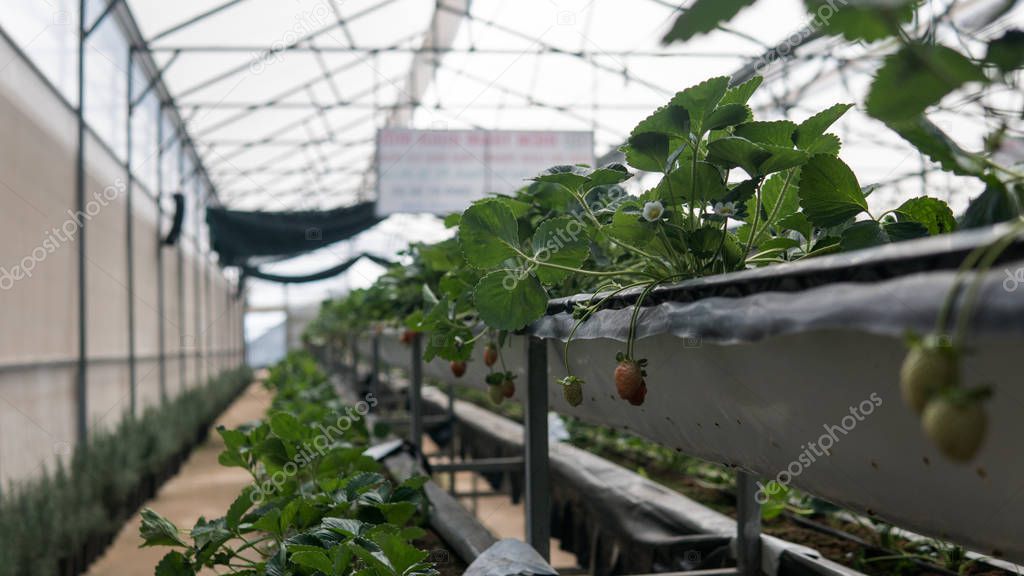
(39, 285)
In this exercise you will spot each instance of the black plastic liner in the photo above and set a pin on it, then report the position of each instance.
(886, 307)
(945, 252)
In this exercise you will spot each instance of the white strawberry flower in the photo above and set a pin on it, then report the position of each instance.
(653, 211)
(725, 209)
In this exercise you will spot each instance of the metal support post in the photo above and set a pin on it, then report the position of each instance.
(451, 439)
(375, 366)
(180, 245)
(129, 232)
(538, 475)
(355, 361)
(415, 395)
(748, 525)
(81, 390)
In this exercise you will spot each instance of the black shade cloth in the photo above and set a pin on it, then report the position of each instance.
(237, 236)
(253, 272)
(179, 218)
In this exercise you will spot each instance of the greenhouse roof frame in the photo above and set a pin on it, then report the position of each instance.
(328, 51)
(433, 53)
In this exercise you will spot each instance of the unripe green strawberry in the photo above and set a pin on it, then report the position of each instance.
(572, 390)
(496, 393)
(929, 368)
(956, 427)
(490, 355)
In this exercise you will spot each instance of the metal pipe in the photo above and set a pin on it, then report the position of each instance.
(355, 361)
(81, 390)
(129, 232)
(451, 440)
(415, 395)
(197, 336)
(182, 372)
(160, 288)
(483, 466)
(538, 473)
(375, 366)
(748, 525)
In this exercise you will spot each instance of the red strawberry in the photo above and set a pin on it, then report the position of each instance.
(508, 388)
(490, 355)
(458, 368)
(407, 336)
(629, 376)
(641, 393)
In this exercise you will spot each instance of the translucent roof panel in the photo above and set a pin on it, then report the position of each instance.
(283, 99)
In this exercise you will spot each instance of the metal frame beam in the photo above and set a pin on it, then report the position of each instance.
(194, 20)
(265, 52)
(396, 48)
(99, 19)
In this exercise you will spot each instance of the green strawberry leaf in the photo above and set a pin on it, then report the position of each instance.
(728, 115)
(829, 192)
(315, 560)
(1006, 52)
(811, 130)
(562, 242)
(287, 427)
(488, 234)
(156, 530)
(931, 141)
(174, 564)
(572, 177)
(863, 235)
(778, 132)
(933, 213)
(239, 507)
(509, 300)
(703, 16)
(931, 70)
(700, 101)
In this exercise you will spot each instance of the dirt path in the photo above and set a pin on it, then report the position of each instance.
(202, 488)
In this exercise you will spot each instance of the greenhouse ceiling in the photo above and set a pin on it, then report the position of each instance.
(283, 99)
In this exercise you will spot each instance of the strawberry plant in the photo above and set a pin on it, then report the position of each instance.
(732, 193)
(936, 51)
(316, 504)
